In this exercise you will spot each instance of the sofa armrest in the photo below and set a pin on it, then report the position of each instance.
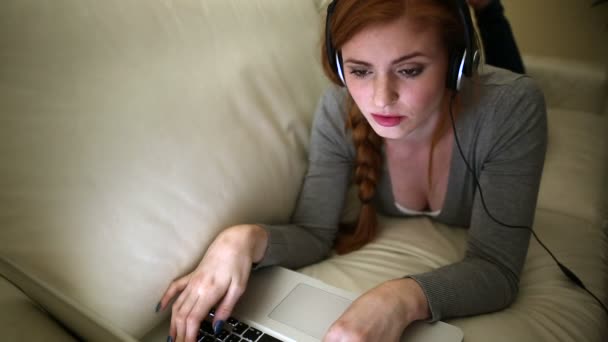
(23, 320)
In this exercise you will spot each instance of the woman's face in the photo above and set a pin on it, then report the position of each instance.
(396, 74)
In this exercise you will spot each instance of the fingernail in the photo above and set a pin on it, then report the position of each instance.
(157, 307)
(217, 329)
(169, 339)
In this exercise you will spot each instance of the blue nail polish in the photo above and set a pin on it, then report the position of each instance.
(157, 307)
(169, 339)
(217, 329)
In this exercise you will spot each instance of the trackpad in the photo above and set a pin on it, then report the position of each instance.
(310, 310)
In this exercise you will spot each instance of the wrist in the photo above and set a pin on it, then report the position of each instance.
(411, 299)
(246, 237)
(260, 237)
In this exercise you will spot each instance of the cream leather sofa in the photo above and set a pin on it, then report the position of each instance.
(132, 132)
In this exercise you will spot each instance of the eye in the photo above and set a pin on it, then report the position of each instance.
(359, 73)
(411, 72)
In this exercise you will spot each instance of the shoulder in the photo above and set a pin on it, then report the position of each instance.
(508, 119)
(329, 135)
(504, 88)
(330, 116)
(507, 98)
(332, 107)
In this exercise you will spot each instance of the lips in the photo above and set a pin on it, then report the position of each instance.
(388, 120)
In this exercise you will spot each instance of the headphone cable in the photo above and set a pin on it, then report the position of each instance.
(571, 275)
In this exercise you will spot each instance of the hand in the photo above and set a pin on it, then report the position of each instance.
(381, 314)
(218, 281)
(478, 4)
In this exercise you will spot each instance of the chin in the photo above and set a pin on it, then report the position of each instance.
(392, 133)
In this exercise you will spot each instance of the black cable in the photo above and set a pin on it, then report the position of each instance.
(571, 275)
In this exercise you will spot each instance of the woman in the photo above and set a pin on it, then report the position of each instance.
(391, 124)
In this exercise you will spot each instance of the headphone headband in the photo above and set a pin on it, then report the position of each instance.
(329, 44)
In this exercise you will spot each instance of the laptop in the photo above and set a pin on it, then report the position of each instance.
(278, 305)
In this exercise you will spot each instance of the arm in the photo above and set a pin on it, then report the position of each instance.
(513, 142)
(314, 224)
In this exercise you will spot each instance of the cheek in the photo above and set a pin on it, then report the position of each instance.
(424, 99)
(360, 94)
(425, 96)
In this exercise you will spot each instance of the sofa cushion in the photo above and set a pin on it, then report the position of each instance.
(22, 320)
(132, 132)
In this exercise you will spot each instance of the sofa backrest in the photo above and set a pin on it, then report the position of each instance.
(576, 166)
(569, 84)
(133, 131)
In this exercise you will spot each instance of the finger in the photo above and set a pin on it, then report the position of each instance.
(175, 287)
(187, 292)
(181, 312)
(226, 306)
(194, 319)
(175, 308)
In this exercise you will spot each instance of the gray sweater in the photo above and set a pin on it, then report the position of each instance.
(503, 133)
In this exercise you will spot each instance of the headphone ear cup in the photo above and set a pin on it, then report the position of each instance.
(455, 69)
(339, 70)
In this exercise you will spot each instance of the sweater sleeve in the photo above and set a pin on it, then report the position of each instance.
(514, 143)
(310, 235)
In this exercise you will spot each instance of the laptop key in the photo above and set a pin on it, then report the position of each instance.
(232, 321)
(232, 338)
(207, 327)
(268, 338)
(239, 328)
(222, 335)
(207, 338)
(252, 334)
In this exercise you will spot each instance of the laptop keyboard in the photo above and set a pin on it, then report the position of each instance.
(233, 331)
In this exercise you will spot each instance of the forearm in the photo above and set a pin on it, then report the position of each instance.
(470, 287)
(295, 246)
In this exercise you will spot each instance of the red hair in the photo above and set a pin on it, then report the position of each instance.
(349, 18)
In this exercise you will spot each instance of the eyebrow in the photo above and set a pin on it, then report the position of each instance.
(396, 61)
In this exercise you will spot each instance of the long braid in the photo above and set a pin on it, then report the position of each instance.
(368, 147)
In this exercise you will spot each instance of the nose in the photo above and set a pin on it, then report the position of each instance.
(385, 92)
